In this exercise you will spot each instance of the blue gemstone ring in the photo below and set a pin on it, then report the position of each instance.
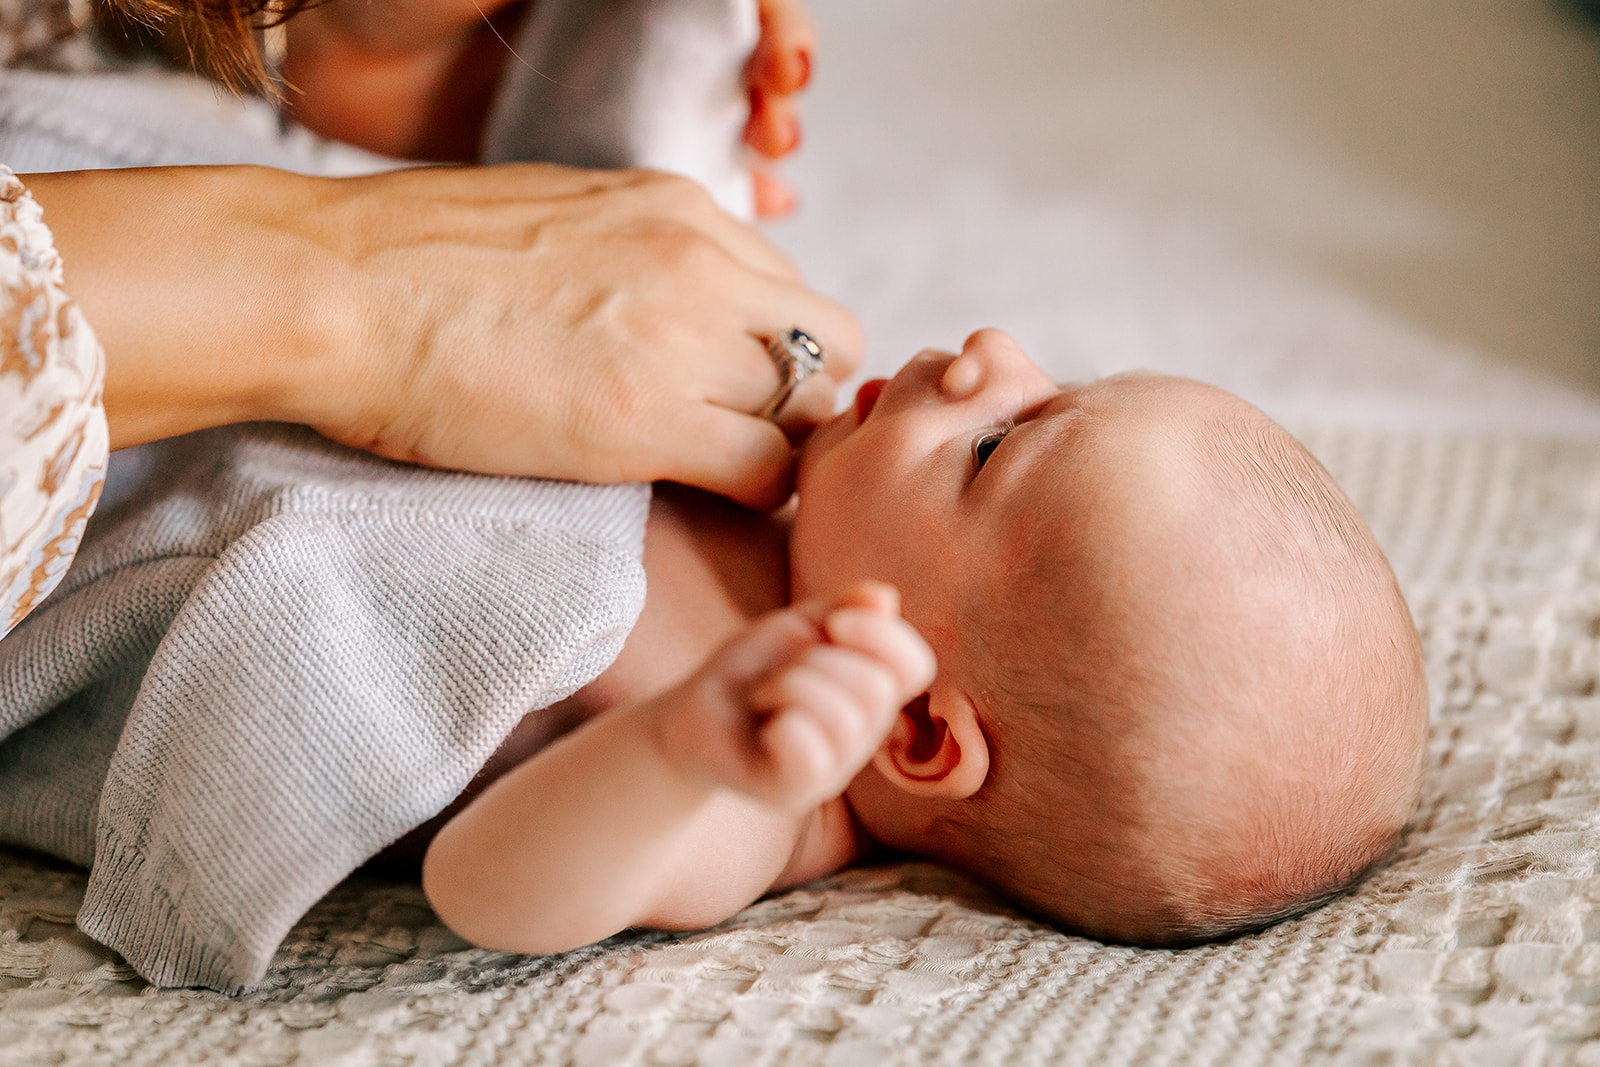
(797, 356)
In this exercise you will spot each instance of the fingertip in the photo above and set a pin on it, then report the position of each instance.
(775, 198)
(773, 128)
(787, 27)
(880, 596)
(767, 488)
(809, 406)
(785, 65)
(843, 344)
(797, 744)
(741, 456)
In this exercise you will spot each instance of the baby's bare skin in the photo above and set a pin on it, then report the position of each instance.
(676, 810)
(1109, 582)
(714, 756)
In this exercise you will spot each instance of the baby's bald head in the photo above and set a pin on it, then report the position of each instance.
(1205, 703)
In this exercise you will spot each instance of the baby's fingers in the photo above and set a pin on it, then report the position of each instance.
(830, 711)
(887, 639)
(802, 762)
(851, 697)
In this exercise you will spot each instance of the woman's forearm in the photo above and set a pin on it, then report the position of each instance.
(527, 320)
(211, 303)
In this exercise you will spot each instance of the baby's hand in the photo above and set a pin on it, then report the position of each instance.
(790, 710)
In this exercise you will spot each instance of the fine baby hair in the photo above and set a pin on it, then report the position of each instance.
(1202, 691)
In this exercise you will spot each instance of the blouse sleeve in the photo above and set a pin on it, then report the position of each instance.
(53, 440)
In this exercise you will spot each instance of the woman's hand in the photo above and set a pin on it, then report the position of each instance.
(778, 69)
(526, 320)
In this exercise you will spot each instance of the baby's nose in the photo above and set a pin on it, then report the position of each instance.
(992, 342)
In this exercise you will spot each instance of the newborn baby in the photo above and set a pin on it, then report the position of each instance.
(1178, 694)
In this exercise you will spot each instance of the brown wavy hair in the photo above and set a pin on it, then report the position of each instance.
(221, 39)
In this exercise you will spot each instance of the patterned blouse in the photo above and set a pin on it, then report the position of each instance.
(53, 441)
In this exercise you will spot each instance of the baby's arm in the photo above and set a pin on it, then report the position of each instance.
(679, 810)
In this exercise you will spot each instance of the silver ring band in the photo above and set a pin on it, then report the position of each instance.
(797, 356)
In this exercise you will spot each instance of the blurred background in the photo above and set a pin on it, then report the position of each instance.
(1364, 212)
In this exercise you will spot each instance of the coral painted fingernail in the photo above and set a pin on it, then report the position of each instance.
(803, 57)
(791, 139)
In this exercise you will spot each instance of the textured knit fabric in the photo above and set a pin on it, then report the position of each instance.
(150, 117)
(52, 426)
(273, 657)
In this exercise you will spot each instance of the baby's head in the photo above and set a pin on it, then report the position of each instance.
(1179, 693)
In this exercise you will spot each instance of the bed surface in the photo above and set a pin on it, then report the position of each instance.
(1380, 222)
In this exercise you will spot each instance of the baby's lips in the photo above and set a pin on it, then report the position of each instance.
(867, 398)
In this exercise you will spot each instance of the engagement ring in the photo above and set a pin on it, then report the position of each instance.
(797, 357)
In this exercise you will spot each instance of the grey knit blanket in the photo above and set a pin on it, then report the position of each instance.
(274, 656)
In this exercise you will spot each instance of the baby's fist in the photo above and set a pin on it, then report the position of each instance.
(807, 694)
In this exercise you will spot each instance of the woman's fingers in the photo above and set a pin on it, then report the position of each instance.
(743, 376)
(541, 321)
(778, 69)
(774, 197)
(774, 309)
(734, 366)
(739, 456)
(782, 60)
(812, 403)
(774, 126)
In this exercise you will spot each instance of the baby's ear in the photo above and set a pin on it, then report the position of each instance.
(937, 748)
